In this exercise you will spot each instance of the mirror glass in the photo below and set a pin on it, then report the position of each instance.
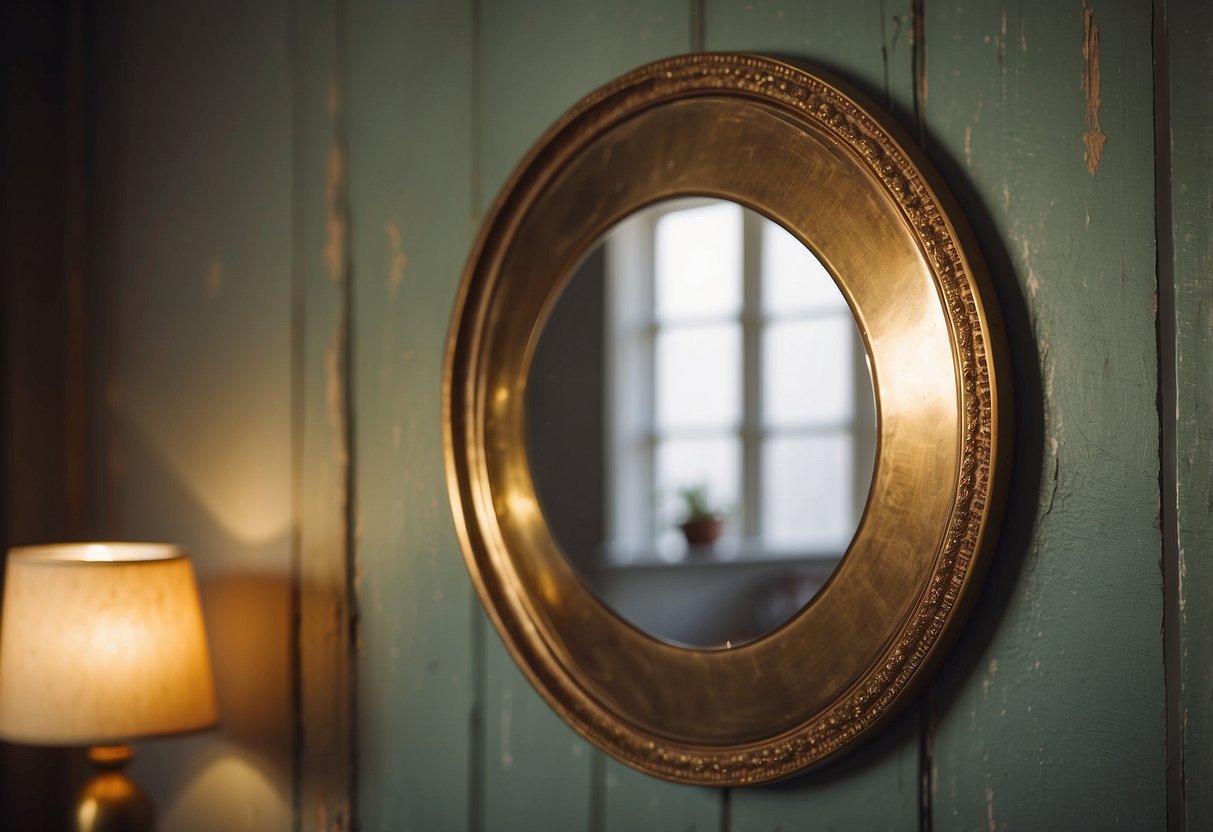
(700, 422)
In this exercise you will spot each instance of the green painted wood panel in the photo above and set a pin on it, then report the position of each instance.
(632, 801)
(1190, 28)
(538, 57)
(193, 239)
(325, 751)
(536, 771)
(535, 60)
(410, 140)
(1050, 712)
(868, 45)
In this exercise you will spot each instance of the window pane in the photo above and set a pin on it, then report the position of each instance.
(807, 491)
(714, 463)
(698, 262)
(698, 377)
(793, 280)
(807, 371)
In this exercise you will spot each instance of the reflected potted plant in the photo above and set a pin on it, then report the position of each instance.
(702, 524)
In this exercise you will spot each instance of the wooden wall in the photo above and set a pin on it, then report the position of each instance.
(192, 237)
(286, 196)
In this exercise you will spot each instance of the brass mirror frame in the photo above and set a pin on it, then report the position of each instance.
(808, 155)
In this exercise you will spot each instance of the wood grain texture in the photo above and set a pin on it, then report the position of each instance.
(1190, 35)
(869, 46)
(410, 143)
(1051, 709)
(535, 60)
(325, 674)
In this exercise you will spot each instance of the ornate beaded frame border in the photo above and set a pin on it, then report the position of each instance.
(977, 340)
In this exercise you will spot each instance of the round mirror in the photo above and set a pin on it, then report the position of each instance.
(700, 422)
(557, 493)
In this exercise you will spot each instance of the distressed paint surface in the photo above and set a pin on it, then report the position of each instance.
(410, 149)
(867, 45)
(1190, 26)
(324, 750)
(1048, 715)
(1050, 712)
(538, 57)
(631, 801)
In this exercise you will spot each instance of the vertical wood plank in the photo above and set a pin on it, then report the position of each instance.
(536, 770)
(1190, 37)
(633, 801)
(868, 45)
(323, 611)
(410, 116)
(536, 59)
(193, 231)
(1051, 708)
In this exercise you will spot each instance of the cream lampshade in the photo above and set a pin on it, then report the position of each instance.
(101, 644)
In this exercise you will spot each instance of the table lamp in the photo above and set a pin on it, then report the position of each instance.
(101, 644)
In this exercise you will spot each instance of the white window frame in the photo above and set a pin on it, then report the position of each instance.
(632, 515)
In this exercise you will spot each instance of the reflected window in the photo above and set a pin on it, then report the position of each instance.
(733, 365)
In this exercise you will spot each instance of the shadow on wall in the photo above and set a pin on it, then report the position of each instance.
(239, 775)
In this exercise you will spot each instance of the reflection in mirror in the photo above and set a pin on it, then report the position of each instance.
(700, 422)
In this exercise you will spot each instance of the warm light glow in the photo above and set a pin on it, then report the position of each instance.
(102, 643)
(228, 793)
(239, 477)
(86, 814)
(97, 551)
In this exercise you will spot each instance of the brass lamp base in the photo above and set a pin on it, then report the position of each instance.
(111, 801)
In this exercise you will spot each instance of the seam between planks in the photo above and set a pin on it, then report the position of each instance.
(349, 518)
(298, 321)
(1167, 402)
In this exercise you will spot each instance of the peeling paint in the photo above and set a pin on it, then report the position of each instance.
(214, 279)
(336, 226)
(334, 390)
(335, 393)
(1183, 573)
(399, 259)
(1000, 41)
(1032, 282)
(1094, 138)
(991, 824)
(507, 701)
(333, 99)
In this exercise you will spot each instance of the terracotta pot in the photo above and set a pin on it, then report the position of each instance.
(702, 532)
